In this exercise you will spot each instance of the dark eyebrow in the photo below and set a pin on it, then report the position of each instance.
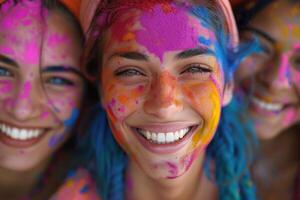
(261, 33)
(62, 69)
(194, 52)
(133, 55)
(8, 60)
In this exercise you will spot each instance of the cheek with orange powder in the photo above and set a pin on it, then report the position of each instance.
(207, 102)
(119, 101)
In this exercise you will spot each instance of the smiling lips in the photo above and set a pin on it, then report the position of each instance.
(20, 134)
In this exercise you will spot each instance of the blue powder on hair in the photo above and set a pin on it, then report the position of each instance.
(204, 41)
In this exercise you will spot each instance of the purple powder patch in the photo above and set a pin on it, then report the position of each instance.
(55, 139)
(166, 31)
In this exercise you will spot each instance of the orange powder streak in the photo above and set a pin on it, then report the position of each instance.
(166, 90)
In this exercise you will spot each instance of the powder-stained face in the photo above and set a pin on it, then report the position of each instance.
(272, 77)
(40, 85)
(162, 87)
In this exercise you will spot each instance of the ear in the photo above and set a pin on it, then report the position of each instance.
(228, 92)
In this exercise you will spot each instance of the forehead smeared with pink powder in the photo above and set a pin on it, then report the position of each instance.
(14, 20)
(168, 30)
(162, 28)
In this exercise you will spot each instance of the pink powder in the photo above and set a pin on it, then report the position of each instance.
(166, 31)
(57, 39)
(26, 90)
(31, 53)
(6, 50)
(290, 117)
(297, 46)
(173, 170)
(284, 74)
(45, 114)
(5, 86)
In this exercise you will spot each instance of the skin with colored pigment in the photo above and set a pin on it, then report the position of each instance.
(272, 77)
(271, 80)
(40, 84)
(155, 85)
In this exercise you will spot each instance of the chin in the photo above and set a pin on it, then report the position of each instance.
(19, 164)
(264, 133)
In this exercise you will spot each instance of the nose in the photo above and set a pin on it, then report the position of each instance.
(163, 99)
(277, 75)
(24, 104)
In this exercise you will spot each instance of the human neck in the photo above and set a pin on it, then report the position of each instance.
(17, 184)
(191, 185)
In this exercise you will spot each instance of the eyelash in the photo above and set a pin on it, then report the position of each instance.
(129, 72)
(197, 68)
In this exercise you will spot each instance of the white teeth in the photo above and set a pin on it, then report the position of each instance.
(20, 134)
(169, 137)
(274, 107)
(163, 138)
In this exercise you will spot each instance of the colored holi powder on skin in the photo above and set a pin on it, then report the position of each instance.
(5, 86)
(289, 118)
(6, 50)
(284, 72)
(31, 52)
(56, 139)
(84, 189)
(297, 47)
(173, 170)
(20, 13)
(164, 90)
(129, 183)
(160, 30)
(25, 94)
(188, 160)
(72, 119)
(56, 39)
(120, 28)
(205, 135)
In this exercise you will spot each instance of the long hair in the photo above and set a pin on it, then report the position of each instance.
(229, 152)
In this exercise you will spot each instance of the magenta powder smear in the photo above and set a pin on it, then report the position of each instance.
(26, 90)
(6, 86)
(173, 170)
(166, 31)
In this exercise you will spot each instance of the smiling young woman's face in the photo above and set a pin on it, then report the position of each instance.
(272, 77)
(40, 85)
(161, 87)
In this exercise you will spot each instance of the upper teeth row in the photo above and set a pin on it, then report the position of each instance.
(267, 106)
(19, 134)
(162, 138)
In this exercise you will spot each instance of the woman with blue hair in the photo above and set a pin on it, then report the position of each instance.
(164, 74)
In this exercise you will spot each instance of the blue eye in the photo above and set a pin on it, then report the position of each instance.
(59, 81)
(5, 72)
